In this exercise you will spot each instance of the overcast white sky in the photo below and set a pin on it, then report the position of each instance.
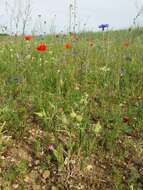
(117, 13)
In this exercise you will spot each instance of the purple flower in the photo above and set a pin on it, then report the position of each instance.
(103, 26)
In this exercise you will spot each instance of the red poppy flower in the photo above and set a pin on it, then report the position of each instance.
(42, 47)
(68, 46)
(126, 45)
(28, 38)
(125, 119)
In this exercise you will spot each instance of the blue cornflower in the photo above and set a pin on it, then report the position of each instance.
(103, 26)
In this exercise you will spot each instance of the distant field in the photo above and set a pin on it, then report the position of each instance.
(71, 111)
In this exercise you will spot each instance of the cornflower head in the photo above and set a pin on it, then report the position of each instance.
(103, 26)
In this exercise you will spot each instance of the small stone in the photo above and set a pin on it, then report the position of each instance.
(37, 162)
(89, 168)
(54, 188)
(2, 157)
(46, 174)
(15, 186)
(27, 179)
(43, 180)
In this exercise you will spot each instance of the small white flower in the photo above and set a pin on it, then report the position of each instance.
(105, 69)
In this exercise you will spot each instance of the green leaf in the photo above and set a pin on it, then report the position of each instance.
(41, 114)
(127, 129)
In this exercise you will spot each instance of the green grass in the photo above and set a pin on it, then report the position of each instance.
(62, 112)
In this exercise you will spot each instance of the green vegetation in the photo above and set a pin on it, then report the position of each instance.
(72, 118)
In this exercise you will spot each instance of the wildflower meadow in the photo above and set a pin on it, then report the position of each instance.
(71, 111)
